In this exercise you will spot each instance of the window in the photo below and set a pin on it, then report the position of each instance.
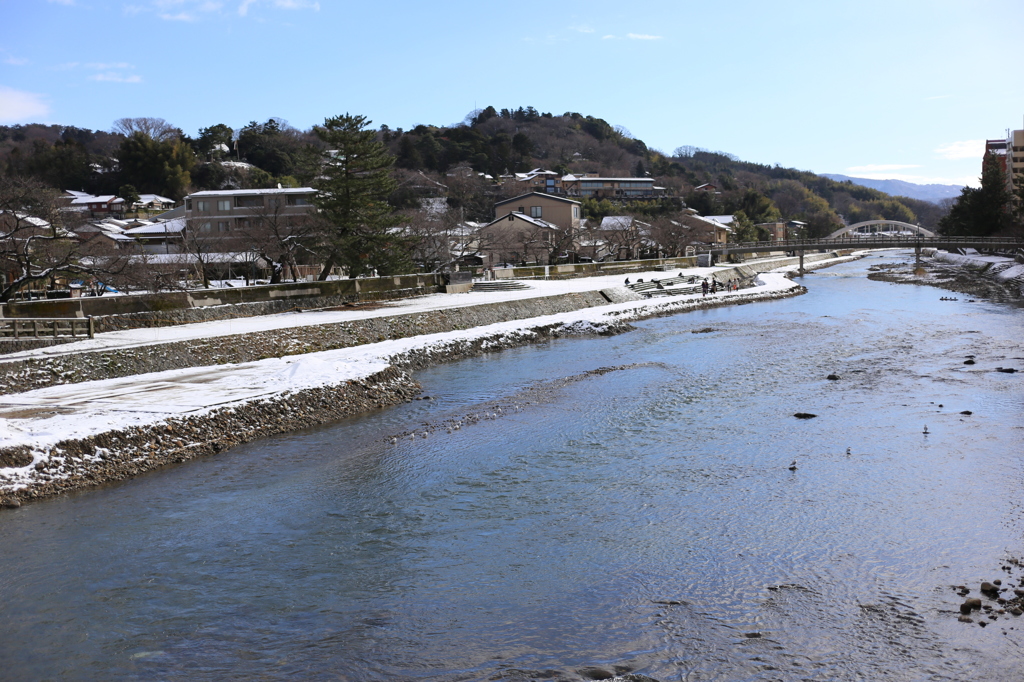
(205, 227)
(575, 211)
(275, 202)
(202, 205)
(294, 200)
(535, 211)
(592, 184)
(249, 202)
(188, 204)
(223, 226)
(224, 205)
(522, 209)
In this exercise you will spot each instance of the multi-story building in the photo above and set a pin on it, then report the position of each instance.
(1014, 155)
(610, 188)
(229, 216)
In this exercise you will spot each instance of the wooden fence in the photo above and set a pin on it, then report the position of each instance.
(46, 328)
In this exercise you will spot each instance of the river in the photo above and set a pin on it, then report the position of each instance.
(536, 514)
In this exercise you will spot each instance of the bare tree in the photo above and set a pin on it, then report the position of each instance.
(155, 128)
(281, 237)
(37, 242)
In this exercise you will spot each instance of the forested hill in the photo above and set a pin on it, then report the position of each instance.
(164, 160)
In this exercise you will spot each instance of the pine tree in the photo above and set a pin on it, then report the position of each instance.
(980, 212)
(354, 186)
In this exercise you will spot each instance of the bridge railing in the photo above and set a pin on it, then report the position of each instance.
(849, 241)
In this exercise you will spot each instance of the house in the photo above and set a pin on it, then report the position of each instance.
(726, 220)
(105, 205)
(776, 231)
(110, 232)
(160, 237)
(565, 213)
(153, 202)
(519, 238)
(706, 187)
(616, 237)
(704, 230)
(537, 180)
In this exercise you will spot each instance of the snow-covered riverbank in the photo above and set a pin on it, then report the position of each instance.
(65, 437)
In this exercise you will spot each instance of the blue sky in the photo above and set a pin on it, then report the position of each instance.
(895, 89)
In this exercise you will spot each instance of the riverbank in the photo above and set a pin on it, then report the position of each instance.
(996, 278)
(62, 438)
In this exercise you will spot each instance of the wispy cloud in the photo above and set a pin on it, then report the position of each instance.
(15, 61)
(105, 67)
(608, 37)
(297, 4)
(583, 28)
(642, 36)
(114, 77)
(881, 167)
(243, 9)
(17, 106)
(964, 149)
(66, 3)
(180, 16)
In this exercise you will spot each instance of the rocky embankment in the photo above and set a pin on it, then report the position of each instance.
(979, 281)
(29, 471)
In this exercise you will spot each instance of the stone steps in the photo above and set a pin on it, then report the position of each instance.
(500, 285)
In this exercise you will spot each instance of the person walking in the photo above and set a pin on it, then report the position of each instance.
(704, 286)
(714, 286)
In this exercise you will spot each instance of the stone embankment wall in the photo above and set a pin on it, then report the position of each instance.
(117, 455)
(1006, 272)
(26, 374)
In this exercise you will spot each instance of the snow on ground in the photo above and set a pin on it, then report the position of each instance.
(43, 417)
(201, 330)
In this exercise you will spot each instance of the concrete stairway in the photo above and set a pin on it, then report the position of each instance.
(499, 285)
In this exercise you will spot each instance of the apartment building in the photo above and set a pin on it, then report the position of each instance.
(610, 188)
(227, 216)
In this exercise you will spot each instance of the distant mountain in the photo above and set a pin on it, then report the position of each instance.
(899, 188)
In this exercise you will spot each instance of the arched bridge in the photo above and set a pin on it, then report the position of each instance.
(869, 227)
(873, 240)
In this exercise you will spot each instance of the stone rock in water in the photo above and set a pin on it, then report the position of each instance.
(968, 362)
(833, 377)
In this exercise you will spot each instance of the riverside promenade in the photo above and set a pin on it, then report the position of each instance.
(307, 368)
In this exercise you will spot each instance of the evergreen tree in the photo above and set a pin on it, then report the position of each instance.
(983, 211)
(353, 189)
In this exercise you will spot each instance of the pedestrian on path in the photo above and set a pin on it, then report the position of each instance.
(704, 286)
(714, 286)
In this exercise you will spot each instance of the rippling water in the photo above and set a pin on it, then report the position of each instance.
(643, 516)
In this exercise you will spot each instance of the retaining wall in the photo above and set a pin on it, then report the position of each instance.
(26, 374)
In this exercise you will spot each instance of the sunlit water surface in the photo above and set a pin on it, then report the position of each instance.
(644, 517)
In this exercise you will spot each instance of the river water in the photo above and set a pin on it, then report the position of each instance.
(555, 517)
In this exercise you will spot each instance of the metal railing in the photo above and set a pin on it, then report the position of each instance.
(46, 328)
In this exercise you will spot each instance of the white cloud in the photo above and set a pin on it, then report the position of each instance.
(880, 167)
(107, 67)
(243, 9)
(642, 36)
(582, 28)
(66, 3)
(964, 149)
(17, 106)
(180, 16)
(608, 37)
(112, 77)
(297, 4)
(16, 61)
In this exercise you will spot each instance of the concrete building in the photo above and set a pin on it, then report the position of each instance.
(610, 188)
(227, 216)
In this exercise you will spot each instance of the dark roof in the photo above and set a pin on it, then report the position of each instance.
(536, 194)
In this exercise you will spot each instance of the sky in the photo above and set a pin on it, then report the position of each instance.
(902, 89)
